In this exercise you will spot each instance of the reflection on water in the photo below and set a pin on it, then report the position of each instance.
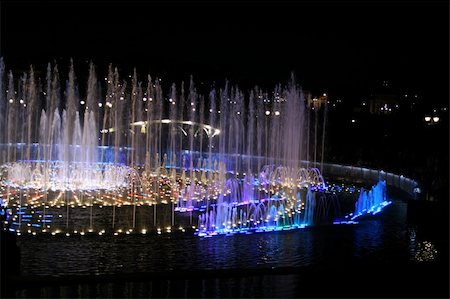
(335, 256)
(370, 235)
(385, 238)
(265, 286)
(424, 251)
(424, 244)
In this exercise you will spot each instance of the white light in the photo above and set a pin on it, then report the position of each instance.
(324, 94)
(436, 119)
(170, 100)
(267, 112)
(353, 120)
(427, 118)
(121, 98)
(277, 113)
(144, 99)
(21, 101)
(82, 102)
(11, 100)
(166, 121)
(100, 104)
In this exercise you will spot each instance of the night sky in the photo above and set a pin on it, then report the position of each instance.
(343, 48)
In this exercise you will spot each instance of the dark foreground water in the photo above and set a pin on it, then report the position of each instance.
(389, 255)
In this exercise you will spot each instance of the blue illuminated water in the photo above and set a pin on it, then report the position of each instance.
(385, 238)
(385, 248)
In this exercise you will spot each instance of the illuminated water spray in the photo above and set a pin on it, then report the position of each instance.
(124, 156)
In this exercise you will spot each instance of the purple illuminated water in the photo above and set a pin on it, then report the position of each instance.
(232, 160)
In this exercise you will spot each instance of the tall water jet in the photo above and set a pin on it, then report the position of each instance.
(227, 162)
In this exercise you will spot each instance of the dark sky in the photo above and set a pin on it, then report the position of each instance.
(344, 48)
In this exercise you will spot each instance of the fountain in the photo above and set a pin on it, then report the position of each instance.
(137, 158)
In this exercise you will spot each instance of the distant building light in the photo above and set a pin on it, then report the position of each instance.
(267, 112)
(427, 118)
(353, 120)
(436, 119)
(277, 113)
